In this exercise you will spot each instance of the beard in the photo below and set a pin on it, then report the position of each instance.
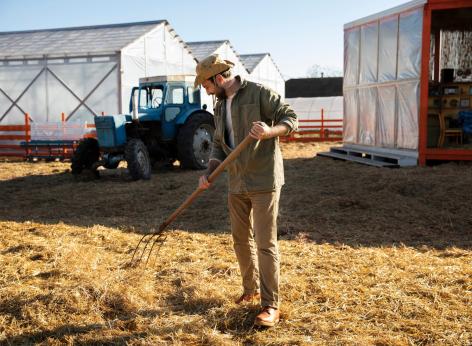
(220, 93)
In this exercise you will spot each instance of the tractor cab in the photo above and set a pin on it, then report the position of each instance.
(166, 99)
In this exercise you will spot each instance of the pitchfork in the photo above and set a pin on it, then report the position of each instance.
(148, 241)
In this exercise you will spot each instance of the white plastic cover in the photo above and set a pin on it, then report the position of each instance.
(367, 114)
(72, 41)
(94, 82)
(71, 130)
(369, 44)
(227, 52)
(14, 80)
(408, 104)
(350, 121)
(82, 86)
(388, 49)
(160, 52)
(409, 44)
(309, 108)
(351, 57)
(383, 111)
(386, 116)
(54, 86)
(403, 8)
(266, 73)
(207, 100)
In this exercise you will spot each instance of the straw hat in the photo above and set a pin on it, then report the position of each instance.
(211, 66)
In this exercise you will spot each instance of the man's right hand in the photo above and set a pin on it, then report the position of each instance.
(203, 183)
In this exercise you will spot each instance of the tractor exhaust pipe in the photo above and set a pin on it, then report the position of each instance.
(134, 115)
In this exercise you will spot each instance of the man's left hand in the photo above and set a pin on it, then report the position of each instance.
(260, 130)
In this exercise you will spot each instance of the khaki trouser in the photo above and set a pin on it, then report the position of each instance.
(255, 242)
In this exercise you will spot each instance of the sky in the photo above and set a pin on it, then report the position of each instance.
(297, 33)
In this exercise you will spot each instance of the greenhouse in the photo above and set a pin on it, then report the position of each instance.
(407, 83)
(83, 71)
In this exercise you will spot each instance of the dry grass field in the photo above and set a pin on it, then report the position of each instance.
(369, 257)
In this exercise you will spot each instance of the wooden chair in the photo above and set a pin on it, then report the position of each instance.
(445, 132)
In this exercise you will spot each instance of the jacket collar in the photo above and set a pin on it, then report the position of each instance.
(242, 82)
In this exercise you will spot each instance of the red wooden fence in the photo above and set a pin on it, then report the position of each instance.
(309, 130)
(15, 150)
(317, 130)
(24, 147)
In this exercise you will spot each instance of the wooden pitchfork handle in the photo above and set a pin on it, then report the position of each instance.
(230, 158)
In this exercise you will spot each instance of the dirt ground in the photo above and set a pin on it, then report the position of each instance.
(369, 256)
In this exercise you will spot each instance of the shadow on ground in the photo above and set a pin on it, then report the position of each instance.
(323, 201)
(238, 320)
(61, 334)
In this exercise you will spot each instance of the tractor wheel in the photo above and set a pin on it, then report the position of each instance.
(137, 157)
(86, 154)
(194, 141)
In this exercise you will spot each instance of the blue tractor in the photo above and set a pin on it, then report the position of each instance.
(168, 122)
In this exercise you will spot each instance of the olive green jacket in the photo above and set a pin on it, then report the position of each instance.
(259, 167)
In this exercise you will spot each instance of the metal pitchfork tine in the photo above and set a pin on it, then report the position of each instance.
(157, 236)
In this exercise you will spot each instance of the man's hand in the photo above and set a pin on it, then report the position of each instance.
(203, 183)
(260, 130)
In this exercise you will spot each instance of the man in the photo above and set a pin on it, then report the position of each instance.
(255, 177)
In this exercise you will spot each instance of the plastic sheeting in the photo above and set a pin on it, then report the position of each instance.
(407, 126)
(369, 46)
(351, 57)
(367, 114)
(227, 52)
(65, 131)
(266, 73)
(93, 82)
(386, 116)
(409, 44)
(387, 49)
(84, 86)
(15, 80)
(201, 50)
(72, 41)
(158, 53)
(47, 88)
(382, 60)
(309, 108)
(350, 123)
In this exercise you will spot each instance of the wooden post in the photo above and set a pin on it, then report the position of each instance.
(322, 125)
(63, 122)
(424, 80)
(27, 135)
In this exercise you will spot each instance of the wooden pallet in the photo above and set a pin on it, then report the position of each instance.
(371, 156)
